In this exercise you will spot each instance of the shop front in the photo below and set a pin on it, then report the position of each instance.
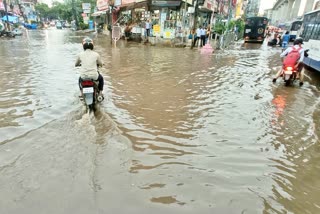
(166, 18)
(205, 13)
(101, 15)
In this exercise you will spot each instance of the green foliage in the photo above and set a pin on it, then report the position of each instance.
(42, 9)
(63, 10)
(231, 25)
(219, 28)
(16, 25)
(83, 26)
(240, 24)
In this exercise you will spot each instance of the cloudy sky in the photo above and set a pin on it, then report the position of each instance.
(266, 4)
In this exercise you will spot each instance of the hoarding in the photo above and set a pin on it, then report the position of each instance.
(102, 4)
(86, 6)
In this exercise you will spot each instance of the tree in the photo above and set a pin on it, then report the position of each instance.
(42, 9)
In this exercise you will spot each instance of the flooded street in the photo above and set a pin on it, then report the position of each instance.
(178, 132)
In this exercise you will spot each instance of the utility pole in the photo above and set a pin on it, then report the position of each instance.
(229, 13)
(6, 10)
(75, 14)
(22, 11)
(194, 20)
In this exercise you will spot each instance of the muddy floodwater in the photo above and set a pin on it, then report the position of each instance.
(179, 131)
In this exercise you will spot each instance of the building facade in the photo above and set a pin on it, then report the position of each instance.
(252, 8)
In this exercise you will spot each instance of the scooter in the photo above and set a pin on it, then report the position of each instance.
(289, 75)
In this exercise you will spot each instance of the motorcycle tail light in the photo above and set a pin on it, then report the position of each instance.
(87, 83)
(289, 69)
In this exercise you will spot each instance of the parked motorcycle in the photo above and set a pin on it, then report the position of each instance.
(7, 34)
(90, 94)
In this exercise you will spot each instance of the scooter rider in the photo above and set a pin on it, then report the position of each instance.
(299, 65)
(89, 60)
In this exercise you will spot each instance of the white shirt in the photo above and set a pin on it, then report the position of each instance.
(203, 32)
(289, 49)
(198, 32)
(148, 25)
(89, 60)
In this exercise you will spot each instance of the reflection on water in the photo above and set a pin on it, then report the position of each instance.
(179, 131)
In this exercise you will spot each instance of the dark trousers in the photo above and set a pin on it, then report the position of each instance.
(195, 40)
(203, 40)
(100, 84)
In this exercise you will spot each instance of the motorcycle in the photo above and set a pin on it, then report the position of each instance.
(289, 75)
(7, 34)
(90, 94)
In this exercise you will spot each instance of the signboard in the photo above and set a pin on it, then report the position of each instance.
(117, 2)
(124, 2)
(102, 4)
(86, 20)
(86, 6)
(188, 1)
(168, 33)
(87, 11)
(1, 5)
(156, 30)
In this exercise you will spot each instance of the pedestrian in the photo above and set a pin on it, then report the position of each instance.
(203, 36)
(285, 40)
(198, 36)
(208, 32)
(148, 27)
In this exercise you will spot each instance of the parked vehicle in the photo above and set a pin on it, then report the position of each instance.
(58, 25)
(311, 37)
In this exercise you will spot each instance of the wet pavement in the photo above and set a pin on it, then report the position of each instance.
(179, 131)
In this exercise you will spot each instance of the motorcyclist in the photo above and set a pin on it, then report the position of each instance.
(89, 61)
(285, 40)
(299, 65)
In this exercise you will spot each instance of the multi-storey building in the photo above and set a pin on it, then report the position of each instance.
(252, 8)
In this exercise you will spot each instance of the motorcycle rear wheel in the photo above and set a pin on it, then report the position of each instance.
(287, 83)
(91, 107)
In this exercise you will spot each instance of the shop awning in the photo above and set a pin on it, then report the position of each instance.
(99, 13)
(13, 19)
(164, 3)
(129, 4)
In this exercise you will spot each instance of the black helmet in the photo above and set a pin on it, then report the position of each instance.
(298, 41)
(87, 43)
